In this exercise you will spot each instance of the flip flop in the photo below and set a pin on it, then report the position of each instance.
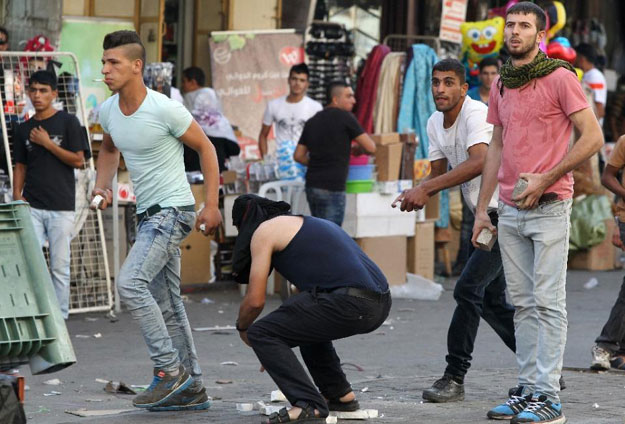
(618, 362)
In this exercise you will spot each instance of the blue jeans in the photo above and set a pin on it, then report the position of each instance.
(326, 204)
(56, 227)
(480, 292)
(534, 249)
(149, 285)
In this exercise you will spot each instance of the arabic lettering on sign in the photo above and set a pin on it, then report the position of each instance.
(454, 13)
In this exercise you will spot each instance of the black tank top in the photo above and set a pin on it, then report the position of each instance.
(322, 255)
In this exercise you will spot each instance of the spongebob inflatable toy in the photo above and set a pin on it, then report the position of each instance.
(479, 40)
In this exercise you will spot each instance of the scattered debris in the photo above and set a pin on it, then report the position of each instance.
(278, 396)
(270, 409)
(366, 389)
(97, 335)
(388, 322)
(118, 388)
(100, 380)
(417, 287)
(139, 387)
(361, 414)
(91, 319)
(331, 420)
(53, 382)
(98, 413)
(82, 336)
(94, 400)
(356, 367)
(245, 407)
(223, 381)
(220, 311)
(216, 328)
(591, 284)
(595, 405)
(53, 393)
(232, 363)
(207, 301)
(406, 310)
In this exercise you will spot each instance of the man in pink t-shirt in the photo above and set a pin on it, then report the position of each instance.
(534, 105)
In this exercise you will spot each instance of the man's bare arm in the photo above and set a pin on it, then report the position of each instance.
(106, 166)
(262, 139)
(609, 179)
(366, 143)
(19, 176)
(301, 154)
(195, 138)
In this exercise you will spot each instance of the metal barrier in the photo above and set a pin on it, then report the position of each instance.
(90, 280)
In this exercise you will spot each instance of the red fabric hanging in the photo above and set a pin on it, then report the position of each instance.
(367, 88)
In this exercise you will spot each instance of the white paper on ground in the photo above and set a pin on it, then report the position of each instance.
(417, 287)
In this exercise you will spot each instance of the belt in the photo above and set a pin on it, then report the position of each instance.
(154, 209)
(356, 292)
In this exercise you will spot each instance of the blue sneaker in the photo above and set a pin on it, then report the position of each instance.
(541, 410)
(190, 399)
(513, 406)
(163, 387)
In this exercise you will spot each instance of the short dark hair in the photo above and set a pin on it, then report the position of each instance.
(44, 78)
(526, 8)
(125, 38)
(300, 68)
(451, 65)
(588, 51)
(196, 74)
(332, 87)
(488, 61)
(5, 32)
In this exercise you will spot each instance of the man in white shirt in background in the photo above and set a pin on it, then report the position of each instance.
(593, 77)
(206, 108)
(289, 114)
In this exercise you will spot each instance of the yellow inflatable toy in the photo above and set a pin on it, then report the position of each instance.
(479, 40)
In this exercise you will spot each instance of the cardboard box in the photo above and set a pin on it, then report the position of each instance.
(420, 255)
(229, 177)
(371, 215)
(389, 254)
(433, 208)
(195, 260)
(388, 161)
(601, 257)
(385, 138)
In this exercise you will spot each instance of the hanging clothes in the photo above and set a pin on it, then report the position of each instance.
(367, 87)
(417, 106)
(387, 101)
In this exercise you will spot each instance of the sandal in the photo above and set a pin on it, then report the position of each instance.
(618, 362)
(338, 406)
(306, 416)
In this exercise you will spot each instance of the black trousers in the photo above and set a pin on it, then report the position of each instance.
(480, 292)
(311, 321)
(223, 147)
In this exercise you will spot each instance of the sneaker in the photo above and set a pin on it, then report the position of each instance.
(162, 388)
(190, 399)
(600, 359)
(513, 406)
(541, 410)
(445, 389)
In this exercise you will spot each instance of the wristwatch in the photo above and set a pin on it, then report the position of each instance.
(239, 329)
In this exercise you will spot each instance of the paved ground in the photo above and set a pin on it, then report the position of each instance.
(398, 362)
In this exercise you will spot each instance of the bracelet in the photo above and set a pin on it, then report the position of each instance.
(239, 329)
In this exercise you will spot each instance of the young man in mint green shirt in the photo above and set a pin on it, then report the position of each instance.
(150, 129)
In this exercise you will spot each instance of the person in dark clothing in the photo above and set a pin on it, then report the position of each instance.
(324, 147)
(342, 293)
(47, 148)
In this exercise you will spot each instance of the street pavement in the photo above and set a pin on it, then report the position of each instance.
(388, 369)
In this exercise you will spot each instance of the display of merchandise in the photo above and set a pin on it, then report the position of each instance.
(158, 76)
(330, 53)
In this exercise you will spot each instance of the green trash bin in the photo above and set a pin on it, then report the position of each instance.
(32, 329)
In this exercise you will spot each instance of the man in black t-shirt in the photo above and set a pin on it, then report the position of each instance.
(324, 147)
(47, 148)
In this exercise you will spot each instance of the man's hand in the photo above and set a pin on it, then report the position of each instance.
(243, 335)
(208, 220)
(412, 199)
(107, 194)
(536, 186)
(40, 136)
(616, 239)
(482, 220)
